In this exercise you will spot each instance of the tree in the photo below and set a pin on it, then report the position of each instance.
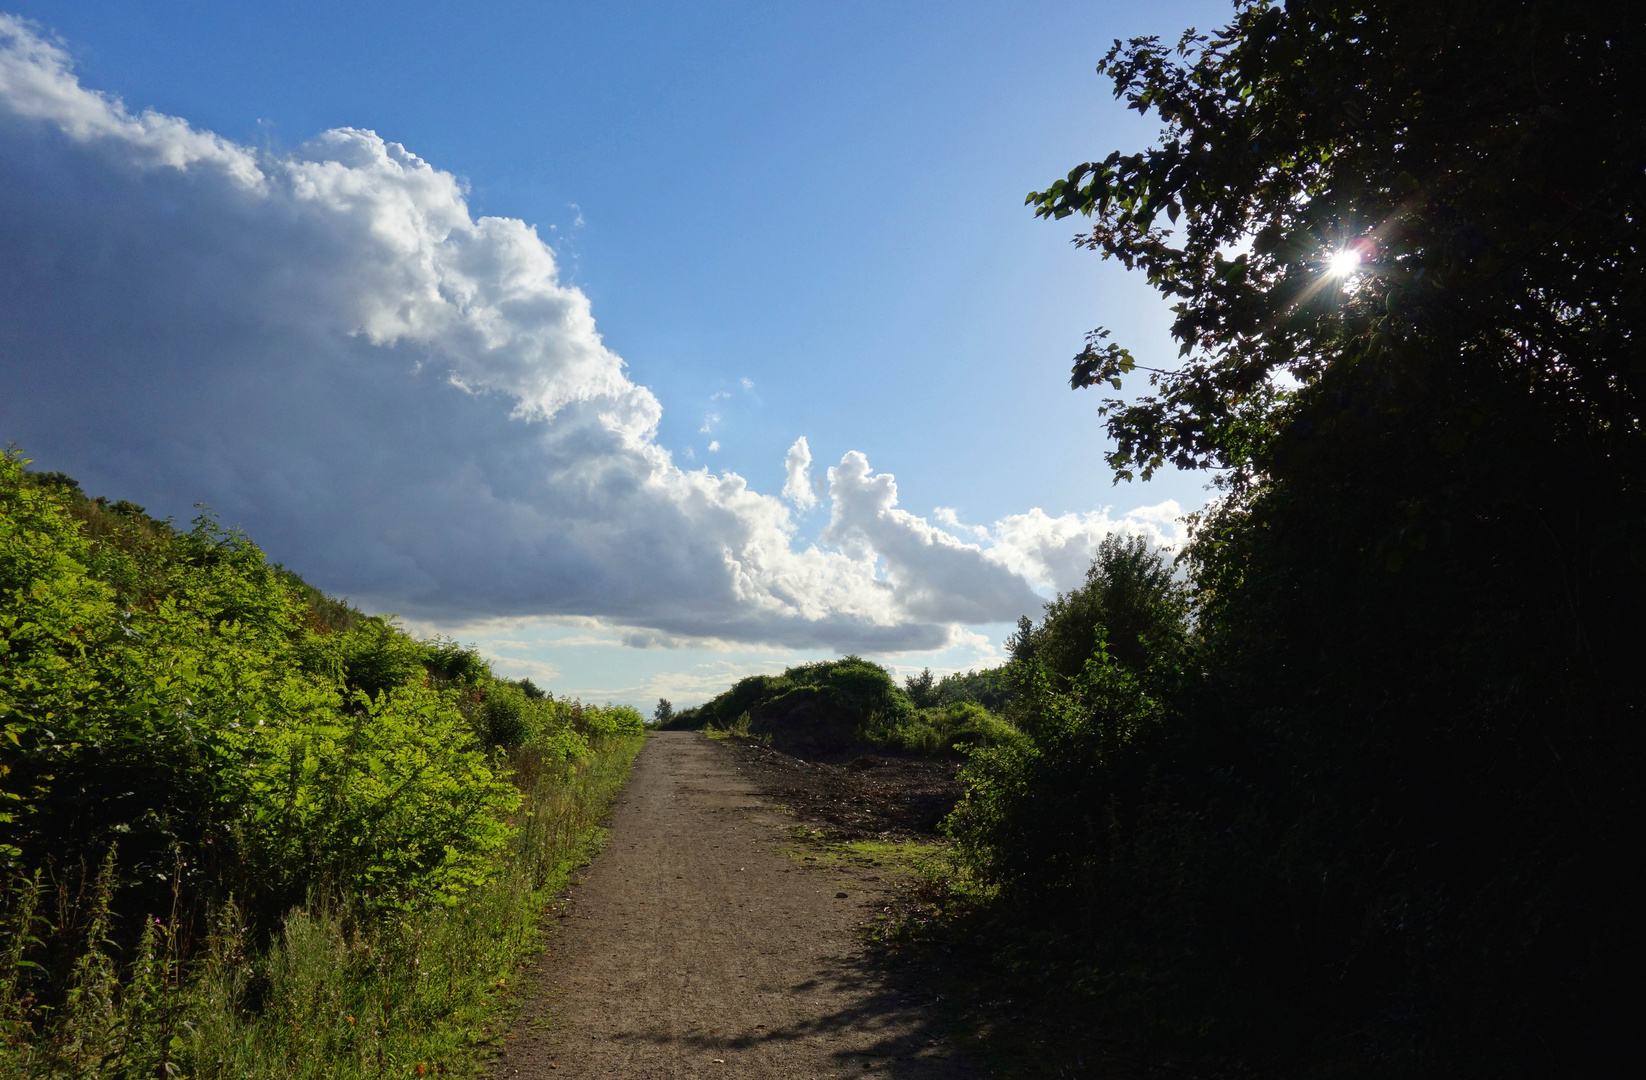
(1403, 244)
(1398, 186)
(663, 713)
(922, 688)
(1130, 600)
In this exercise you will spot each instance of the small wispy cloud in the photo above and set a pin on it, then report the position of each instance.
(698, 683)
(748, 384)
(714, 446)
(709, 421)
(517, 667)
(946, 516)
(797, 487)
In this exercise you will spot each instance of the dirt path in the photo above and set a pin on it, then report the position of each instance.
(696, 945)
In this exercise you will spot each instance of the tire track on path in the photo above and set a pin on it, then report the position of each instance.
(694, 946)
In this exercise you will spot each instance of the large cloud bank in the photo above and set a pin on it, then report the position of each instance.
(408, 403)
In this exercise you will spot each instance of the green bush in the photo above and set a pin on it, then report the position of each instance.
(991, 688)
(1130, 600)
(563, 729)
(611, 721)
(942, 729)
(506, 717)
(1033, 815)
(391, 804)
(308, 796)
(1030, 818)
(450, 664)
(1382, 818)
(330, 994)
(966, 723)
(171, 692)
(370, 657)
(836, 704)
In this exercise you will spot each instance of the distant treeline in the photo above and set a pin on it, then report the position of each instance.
(197, 745)
(837, 704)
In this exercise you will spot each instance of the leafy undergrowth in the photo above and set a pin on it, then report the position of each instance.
(334, 996)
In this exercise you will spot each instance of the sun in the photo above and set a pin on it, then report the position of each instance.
(1344, 263)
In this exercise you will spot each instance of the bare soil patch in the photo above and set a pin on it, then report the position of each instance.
(855, 795)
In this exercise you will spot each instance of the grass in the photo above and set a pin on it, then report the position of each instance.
(915, 868)
(899, 857)
(737, 729)
(333, 997)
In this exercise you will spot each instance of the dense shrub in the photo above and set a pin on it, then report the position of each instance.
(850, 690)
(609, 721)
(943, 729)
(1130, 600)
(1038, 812)
(451, 665)
(1037, 808)
(330, 994)
(921, 689)
(370, 656)
(838, 704)
(229, 797)
(991, 688)
(225, 730)
(506, 716)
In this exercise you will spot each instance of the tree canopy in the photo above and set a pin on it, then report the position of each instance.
(1402, 185)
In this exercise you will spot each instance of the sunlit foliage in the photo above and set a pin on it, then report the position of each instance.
(189, 730)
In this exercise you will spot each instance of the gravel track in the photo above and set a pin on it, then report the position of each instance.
(698, 945)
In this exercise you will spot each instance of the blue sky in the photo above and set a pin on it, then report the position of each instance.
(786, 219)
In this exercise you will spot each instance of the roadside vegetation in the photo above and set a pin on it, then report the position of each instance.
(1358, 791)
(249, 831)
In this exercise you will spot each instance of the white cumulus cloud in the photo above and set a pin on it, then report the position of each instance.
(933, 575)
(408, 403)
(1055, 551)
